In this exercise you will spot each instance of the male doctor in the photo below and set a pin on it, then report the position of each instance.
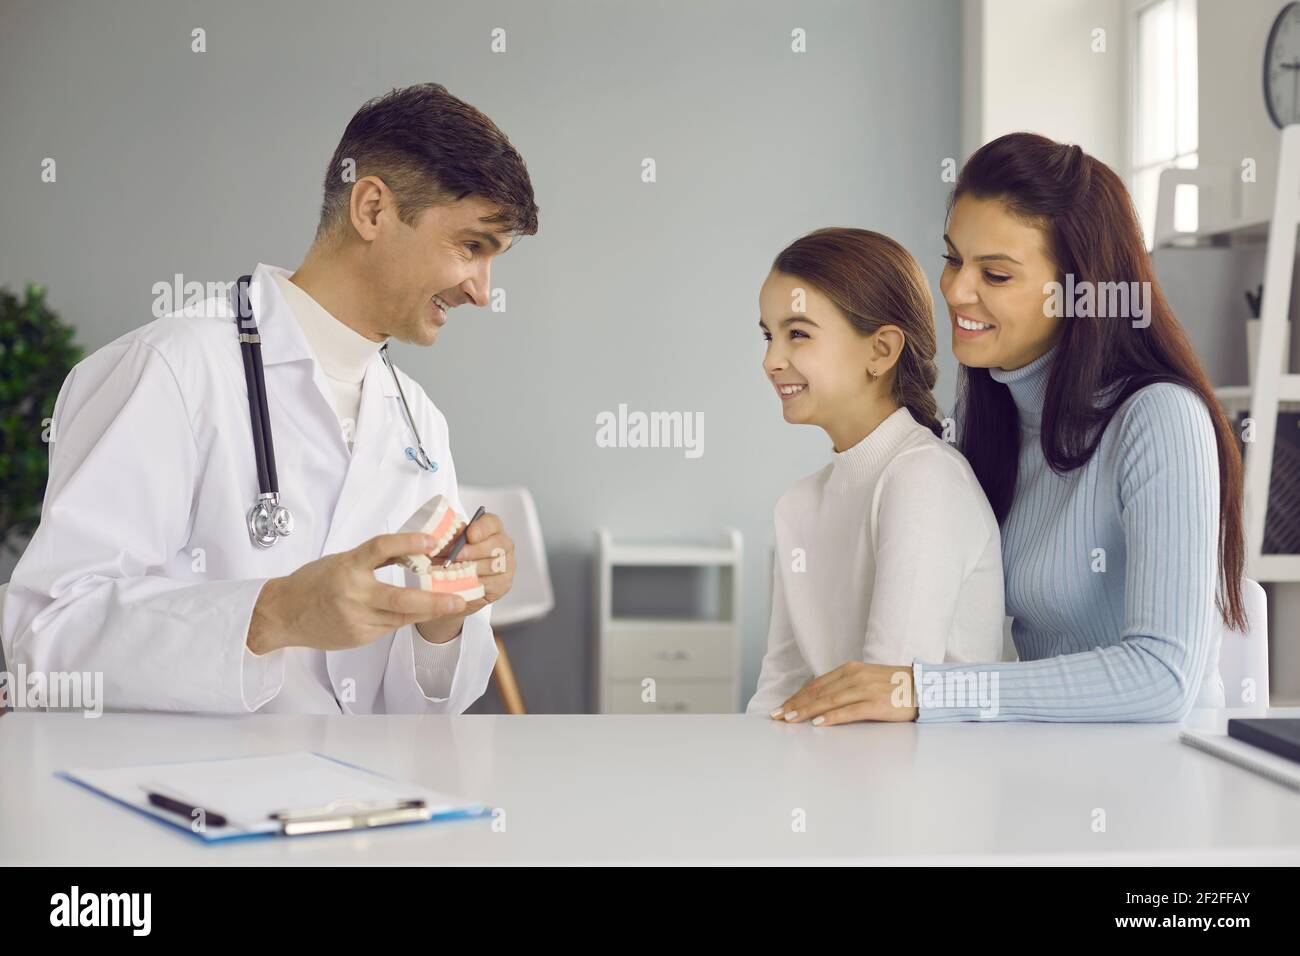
(143, 568)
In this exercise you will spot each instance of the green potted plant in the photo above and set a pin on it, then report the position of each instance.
(36, 354)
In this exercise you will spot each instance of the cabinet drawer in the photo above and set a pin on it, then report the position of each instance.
(671, 697)
(676, 652)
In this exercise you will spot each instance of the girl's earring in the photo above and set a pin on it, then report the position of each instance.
(874, 374)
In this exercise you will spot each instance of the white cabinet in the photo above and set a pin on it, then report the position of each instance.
(668, 627)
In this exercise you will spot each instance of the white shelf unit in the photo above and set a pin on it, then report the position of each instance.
(694, 662)
(1219, 198)
(1275, 386)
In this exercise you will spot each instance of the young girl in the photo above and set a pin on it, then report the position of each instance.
(891, 551)
(1095, 434)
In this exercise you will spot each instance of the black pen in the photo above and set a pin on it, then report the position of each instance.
(210, 818)
(460, 539)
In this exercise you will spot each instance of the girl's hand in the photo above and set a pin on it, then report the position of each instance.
(854, 691)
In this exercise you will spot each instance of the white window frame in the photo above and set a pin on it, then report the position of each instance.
(1186, 211)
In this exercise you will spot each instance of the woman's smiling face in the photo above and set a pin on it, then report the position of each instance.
(997, 266)
(815, 358)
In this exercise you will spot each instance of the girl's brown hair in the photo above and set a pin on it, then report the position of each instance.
(875, 282)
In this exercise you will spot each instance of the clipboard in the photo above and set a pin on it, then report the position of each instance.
(287, 794)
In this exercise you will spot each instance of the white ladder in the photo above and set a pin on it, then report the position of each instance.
(1274, 383)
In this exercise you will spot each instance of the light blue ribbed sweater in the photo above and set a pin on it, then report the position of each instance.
(1139, 640)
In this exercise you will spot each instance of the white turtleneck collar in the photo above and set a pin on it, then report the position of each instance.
(344, 353)
(864, 461)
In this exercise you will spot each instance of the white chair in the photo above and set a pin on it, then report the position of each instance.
(4, 669)
(4, 589)
(530, 598)
(1244, 657)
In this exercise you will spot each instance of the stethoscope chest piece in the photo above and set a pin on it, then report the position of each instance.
(416, 454)
(268, 521)
(427, 464)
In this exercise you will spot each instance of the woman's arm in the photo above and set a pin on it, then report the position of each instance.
(1167, 478)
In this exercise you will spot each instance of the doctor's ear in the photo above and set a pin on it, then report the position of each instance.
(369, 199)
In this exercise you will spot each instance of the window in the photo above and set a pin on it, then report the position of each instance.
(1164, 130)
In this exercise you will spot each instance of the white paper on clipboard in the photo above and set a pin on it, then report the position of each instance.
(247, 790)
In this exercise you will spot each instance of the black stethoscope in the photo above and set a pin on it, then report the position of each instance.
(268, 520)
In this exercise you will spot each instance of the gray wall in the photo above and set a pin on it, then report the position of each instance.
(204, 164)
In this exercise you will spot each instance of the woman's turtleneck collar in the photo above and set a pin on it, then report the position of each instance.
(1028, 387)
(864, 461)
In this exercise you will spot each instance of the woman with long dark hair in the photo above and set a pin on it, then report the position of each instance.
(1094, 431)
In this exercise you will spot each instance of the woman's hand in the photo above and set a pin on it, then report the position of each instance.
(853, 691)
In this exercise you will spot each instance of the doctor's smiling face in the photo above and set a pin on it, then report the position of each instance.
(419, 272)
(422, 193)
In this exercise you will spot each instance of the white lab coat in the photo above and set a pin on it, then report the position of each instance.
(142, 567)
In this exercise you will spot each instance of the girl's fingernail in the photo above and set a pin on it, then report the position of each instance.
(775, 713)
(818, 721)
(791, 715)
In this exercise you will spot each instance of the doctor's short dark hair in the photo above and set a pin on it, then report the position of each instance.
(429, 148)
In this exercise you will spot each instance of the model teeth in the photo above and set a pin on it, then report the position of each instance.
(448, 537)
(791, 389)
(457, 571)
(971, 326)
(459, 578)
(441, 304)
(420, 564)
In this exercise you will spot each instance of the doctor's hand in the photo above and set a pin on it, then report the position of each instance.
(493, 554)
(335, 602)
(853, 691)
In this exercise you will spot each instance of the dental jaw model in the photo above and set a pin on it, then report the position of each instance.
(439, 519)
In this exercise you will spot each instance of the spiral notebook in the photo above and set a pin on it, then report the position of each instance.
(290, 794)
(1245, 755)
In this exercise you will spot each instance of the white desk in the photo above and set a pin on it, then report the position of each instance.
(678, 788)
